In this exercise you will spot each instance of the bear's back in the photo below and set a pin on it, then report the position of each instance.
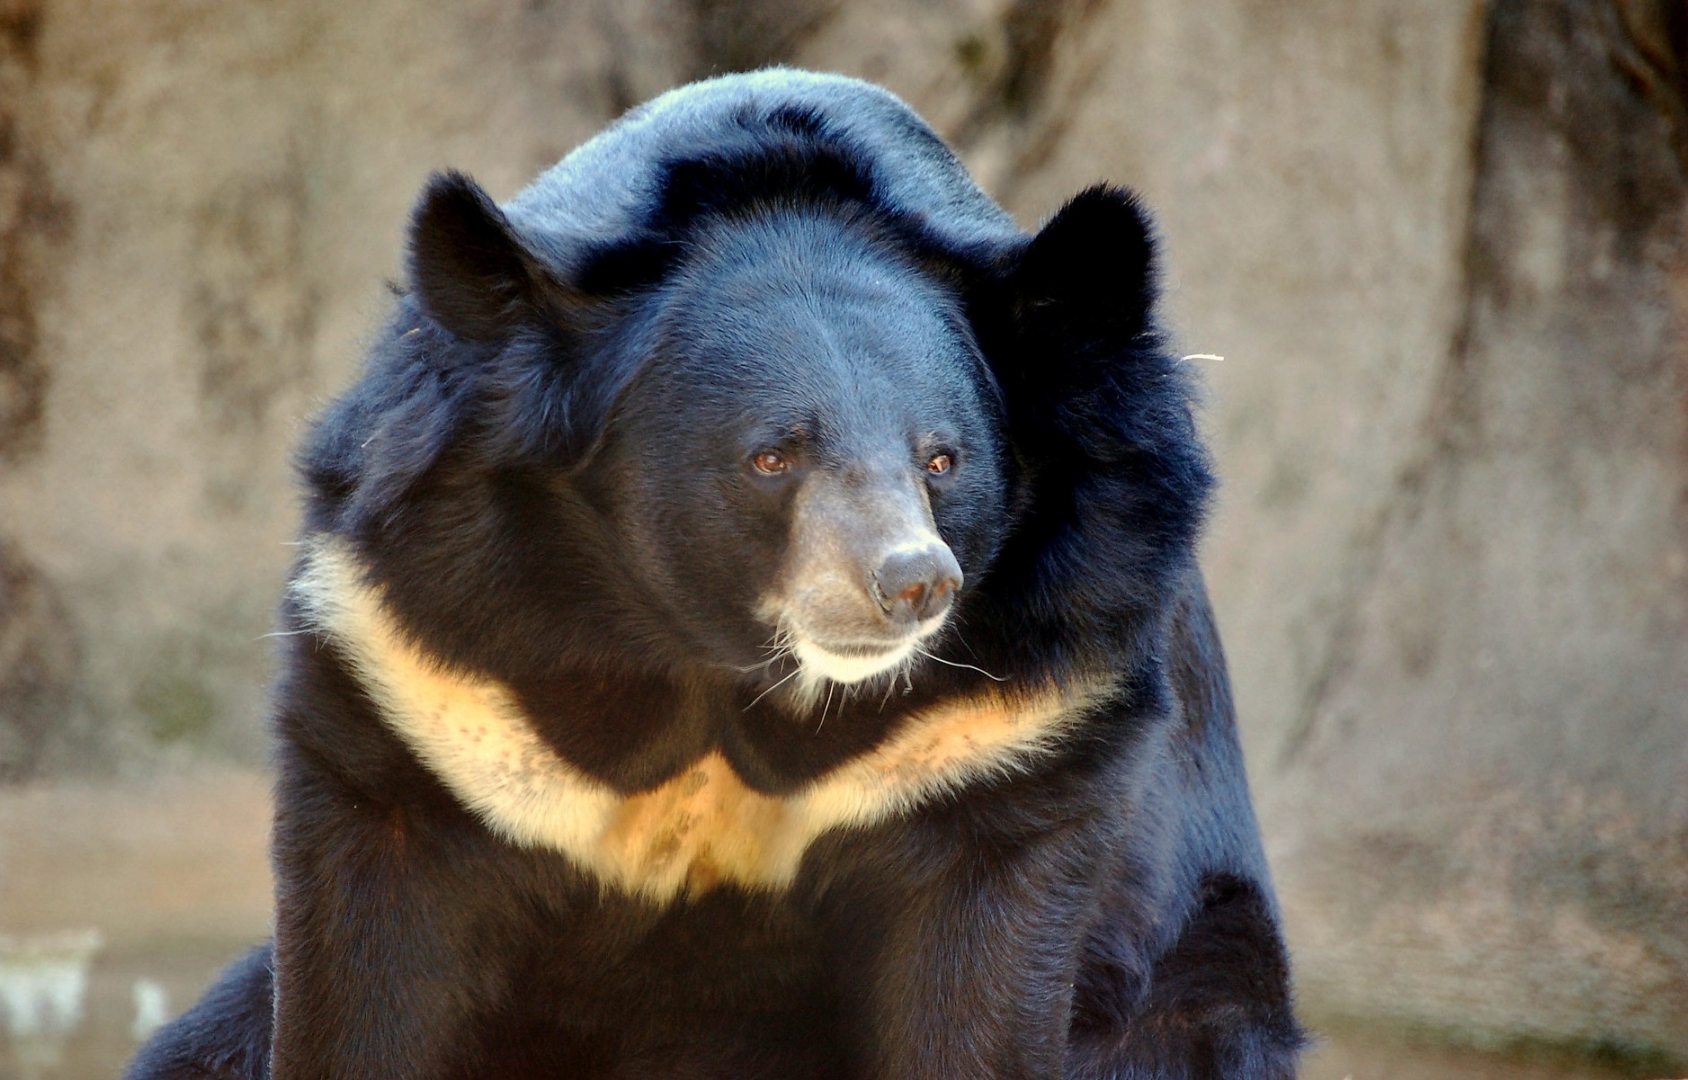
(610, 186)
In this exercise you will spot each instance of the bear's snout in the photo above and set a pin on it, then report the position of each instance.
(916, 584)
(867, 576)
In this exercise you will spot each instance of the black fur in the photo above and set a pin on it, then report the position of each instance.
(542, 470)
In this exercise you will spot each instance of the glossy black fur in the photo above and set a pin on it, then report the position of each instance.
(538, 468)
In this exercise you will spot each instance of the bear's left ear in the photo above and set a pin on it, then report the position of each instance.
(469, 268)
(1088, 277)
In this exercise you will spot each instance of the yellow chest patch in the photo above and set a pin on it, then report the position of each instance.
(698, 829)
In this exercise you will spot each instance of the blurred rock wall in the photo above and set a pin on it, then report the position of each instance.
(1485, 793)
(1438, 243)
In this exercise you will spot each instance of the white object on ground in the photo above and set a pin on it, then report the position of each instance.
(152, 1008)
(44, 981)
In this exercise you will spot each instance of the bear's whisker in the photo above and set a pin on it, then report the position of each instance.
(771, 689)
(825, 707)
(956, 664)
(890, 685)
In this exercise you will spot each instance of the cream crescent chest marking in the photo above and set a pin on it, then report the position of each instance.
(701, 827)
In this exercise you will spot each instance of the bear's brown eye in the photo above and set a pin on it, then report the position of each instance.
(940, 464)
(770, 463)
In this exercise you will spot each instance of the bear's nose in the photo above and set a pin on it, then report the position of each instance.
(918, 583)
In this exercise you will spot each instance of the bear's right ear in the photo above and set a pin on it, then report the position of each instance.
(468, 267)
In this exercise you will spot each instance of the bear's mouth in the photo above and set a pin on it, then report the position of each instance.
(847, 663)
(862, 650)
(853, 661)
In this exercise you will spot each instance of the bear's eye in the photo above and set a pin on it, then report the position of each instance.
(939, 464)
(770, 463)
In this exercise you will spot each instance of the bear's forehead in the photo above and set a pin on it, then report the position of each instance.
(794, 249)
(827, 370)
(863, 322)
(819, 335)
(802, 319)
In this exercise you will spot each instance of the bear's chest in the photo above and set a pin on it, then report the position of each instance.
(704, 826)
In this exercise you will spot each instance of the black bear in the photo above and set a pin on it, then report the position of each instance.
(748, 626)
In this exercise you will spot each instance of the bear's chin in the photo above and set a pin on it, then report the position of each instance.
(820, 665)
(855, 664)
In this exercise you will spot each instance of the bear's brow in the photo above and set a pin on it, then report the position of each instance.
(793, 433)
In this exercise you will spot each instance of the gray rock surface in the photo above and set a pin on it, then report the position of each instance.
(1438, 243)
(1486, 794)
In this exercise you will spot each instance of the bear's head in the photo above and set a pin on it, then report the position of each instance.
(797, 447)
(781, 438)
(809, 461)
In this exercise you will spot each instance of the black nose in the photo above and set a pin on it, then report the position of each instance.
(917, 584)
